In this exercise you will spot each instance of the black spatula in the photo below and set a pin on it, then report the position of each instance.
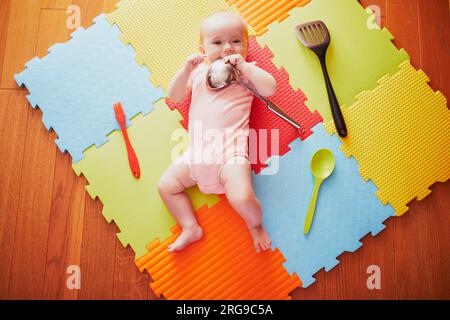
(315, 36)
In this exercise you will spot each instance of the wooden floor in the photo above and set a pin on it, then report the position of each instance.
(47, 221)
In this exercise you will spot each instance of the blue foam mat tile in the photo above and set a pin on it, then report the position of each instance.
(347, 207)
(78, 82)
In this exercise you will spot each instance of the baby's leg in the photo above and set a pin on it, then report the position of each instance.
(237, 181)
(171, 187)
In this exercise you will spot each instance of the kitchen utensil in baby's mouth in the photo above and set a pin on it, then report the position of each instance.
(220, 75)
(322, 166)
(315, 36)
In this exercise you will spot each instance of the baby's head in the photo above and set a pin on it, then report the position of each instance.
(223, 34)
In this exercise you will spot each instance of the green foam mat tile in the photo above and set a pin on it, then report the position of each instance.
(135, 205)
(357, 57)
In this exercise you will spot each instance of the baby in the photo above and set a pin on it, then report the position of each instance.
(222, 36)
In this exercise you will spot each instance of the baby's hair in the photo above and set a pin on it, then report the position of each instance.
(244, 23)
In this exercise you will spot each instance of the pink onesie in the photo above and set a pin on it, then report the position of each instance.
(218, 129)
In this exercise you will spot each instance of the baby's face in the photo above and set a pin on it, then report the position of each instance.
(223, 36)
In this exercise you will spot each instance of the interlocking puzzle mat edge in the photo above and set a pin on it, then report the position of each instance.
(135, 205)
(234, 269)
(409, 100)
(357, 56)
(260, 14)
(85, 117)
(263, 122)
(147, 39)
(351, 212)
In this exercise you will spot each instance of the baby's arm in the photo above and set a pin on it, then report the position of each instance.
(179, 87)
(263, 81)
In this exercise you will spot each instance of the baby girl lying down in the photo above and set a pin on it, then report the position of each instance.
(217, 166)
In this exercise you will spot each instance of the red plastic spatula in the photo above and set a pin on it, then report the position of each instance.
(132, 158)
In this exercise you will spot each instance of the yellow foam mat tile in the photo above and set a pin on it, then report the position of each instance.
(357, 56)
(135, 205)
(399, 133)
(164, 33)
(222, 265)
(260, 13)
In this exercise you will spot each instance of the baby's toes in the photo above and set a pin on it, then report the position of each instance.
(263, 245)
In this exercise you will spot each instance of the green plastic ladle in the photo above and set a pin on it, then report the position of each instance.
(322, 166)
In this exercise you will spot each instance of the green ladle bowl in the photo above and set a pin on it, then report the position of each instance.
(322, 166)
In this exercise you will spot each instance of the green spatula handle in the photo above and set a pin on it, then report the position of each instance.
(312, 207)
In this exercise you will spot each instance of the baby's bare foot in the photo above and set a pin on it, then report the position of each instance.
(261, 239)
(187, 236)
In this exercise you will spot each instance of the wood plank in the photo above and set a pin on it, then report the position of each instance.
(98, 253)
(402, 22)
(434, 28)
(379, 251)
(348, 280)
(129, 283)
(31, 236)
(411, 251)
(67, 212)
(150, 293)
(412, 245)
(66, 225)
(53, 30)
(89, 10)
(333, 284)
(422, 272)
(5, 7)
(55, 4)
(109, 5)
(381, 4)
(437, 208)
(22, 37)
(13, 123)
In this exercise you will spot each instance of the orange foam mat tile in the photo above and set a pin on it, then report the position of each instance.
(223, 265)
(260, 13)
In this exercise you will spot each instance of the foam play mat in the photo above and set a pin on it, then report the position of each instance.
(356, 59)
(259, 14)
(222, 265)
(76, 84)
(346, 211)
(406, 148)
(265, 125)
(135, 205)
(147, 26)
(399, 139)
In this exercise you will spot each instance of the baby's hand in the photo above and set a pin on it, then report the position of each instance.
(194, 60)
(235, 59)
